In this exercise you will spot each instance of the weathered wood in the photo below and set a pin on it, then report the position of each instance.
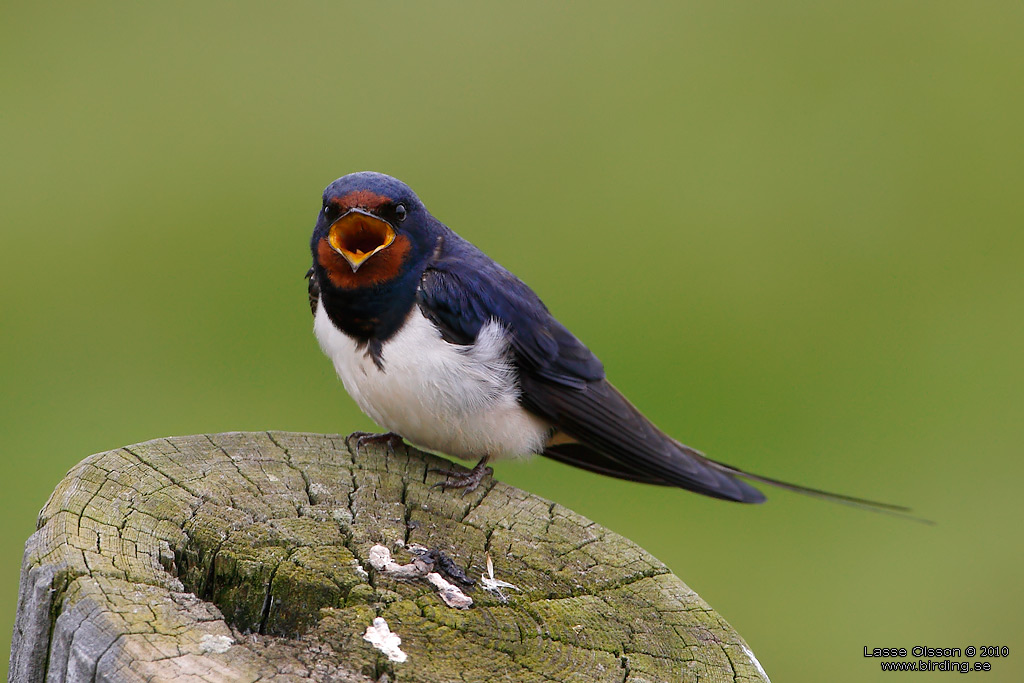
(242, 557)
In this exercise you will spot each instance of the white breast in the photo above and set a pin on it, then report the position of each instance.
(459, 400)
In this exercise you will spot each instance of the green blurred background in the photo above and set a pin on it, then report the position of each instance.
(791, 230)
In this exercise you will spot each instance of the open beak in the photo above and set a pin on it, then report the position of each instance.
(358, 235)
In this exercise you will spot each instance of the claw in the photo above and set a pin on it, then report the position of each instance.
(389, 439)
(468, 481)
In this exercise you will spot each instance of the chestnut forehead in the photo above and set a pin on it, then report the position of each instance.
(360, 199)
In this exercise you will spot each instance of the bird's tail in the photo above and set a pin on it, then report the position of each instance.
(843, 499)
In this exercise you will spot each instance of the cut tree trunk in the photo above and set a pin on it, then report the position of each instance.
(245, 557)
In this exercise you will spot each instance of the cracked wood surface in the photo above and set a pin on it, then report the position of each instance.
(242, 557)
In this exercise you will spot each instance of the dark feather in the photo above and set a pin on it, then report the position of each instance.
(616, 439)
(314, 290)
(585, 457)
(560, 379)
(563, 382)
(463, 289)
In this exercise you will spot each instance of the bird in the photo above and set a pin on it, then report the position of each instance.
(447, 350)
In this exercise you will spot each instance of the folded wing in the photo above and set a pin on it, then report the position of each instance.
(562, 381)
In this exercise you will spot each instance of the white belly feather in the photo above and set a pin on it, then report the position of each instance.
(459, 400)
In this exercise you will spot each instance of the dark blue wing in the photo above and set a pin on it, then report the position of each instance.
(561, 380)
(464, 289)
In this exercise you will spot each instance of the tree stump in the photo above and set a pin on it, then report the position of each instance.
(244, 557)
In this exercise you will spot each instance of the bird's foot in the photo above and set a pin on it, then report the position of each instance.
(467, 481)
(362, 439)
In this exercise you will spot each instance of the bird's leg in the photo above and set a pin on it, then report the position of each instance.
(465, 480)
(390, 439)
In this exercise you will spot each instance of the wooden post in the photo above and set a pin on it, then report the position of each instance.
(245, 557)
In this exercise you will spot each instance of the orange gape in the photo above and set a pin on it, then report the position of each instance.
(381, 267)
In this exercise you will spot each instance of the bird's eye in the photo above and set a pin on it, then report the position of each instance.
(400, 212)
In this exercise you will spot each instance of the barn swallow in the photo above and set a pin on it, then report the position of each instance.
(443, 347)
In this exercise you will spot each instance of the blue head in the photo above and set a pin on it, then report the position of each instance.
(372, 229)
